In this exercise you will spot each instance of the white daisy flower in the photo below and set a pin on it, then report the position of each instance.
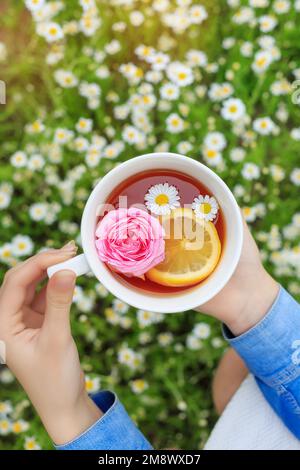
(5, 426)
(31, 444)
(263, 126)
(295, 176)
(65, 78)
(81, 144)
(138, 385)
(193, 343)
(205, 207)
(36, 162)
(201, 330)
(277, 173)
(92, 385)
(184, 147)
(93, 156)
(180, 74)
(146, 318)
(243, 15)
(5, 199)
(88, 24)
(175, 123)
(233, 109)
(36, 127)
(164, 339)
(5, 408)
(295, 133)
(132, 135)
(34, 5)
(212, 157)
(259, 3)
(215, 141)
(62, 136)
(19, 159)
(89, 90)
(6, 253)
(262, 60)
(169, 91)
(19, 426)
(126, 356)
(38, 211)
(197, 14)
(22, 245)
(246, 49)
(219, 92)
(196, 58)
(162, 198)
(84, 125)
(52, 32)
(281, 6)
(237, 154)
(267, 23)
(87, 4)
(159, 61)
(251, 171)
(120, 307)
(249, 213)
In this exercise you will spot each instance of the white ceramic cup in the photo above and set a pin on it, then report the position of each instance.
(159, 302)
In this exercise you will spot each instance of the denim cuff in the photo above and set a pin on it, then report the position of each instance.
(271, 349)
(113, 431)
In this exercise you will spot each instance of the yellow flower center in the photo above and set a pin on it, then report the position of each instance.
(205, 208)
(30, 445)
(211, 153)
(89, 385)
(36, 126)
(21, 245)
(233, 108)
(162, 199)
(260, 62)
(182, 75)
(17, 428)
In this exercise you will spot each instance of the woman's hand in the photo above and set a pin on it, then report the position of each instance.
(40, 349)
(248, 295)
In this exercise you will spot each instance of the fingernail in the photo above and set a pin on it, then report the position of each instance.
(70, 246)
(66, 278)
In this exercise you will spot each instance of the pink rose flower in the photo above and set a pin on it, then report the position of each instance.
(130, 241)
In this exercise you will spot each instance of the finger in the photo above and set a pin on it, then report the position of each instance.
(39, 302)
(31, 290)
(16, 282)
(32, 319)
(59, 296)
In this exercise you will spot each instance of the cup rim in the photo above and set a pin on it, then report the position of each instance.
(158, 302)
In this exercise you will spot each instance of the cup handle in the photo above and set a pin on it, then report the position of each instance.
(78, 264)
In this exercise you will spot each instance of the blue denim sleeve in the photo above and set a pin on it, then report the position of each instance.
(113, 431)
(271, 350)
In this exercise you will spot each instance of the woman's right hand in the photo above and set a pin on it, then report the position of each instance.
(248, 295)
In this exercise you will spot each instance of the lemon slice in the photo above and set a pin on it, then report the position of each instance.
(192, 250)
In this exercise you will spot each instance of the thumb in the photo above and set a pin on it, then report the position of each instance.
(59, 297)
